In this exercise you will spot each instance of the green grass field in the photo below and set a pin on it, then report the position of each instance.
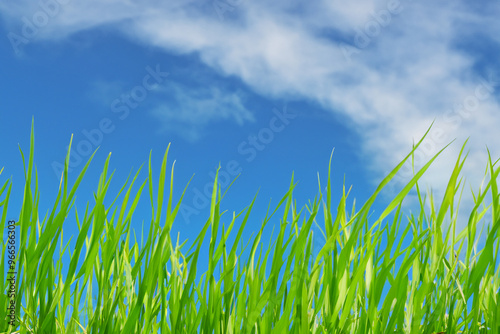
(363, 279)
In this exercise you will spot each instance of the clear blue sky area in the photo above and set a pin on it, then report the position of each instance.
(60, 87)
(264, 90)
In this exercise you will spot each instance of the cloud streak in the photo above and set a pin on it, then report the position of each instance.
(189, 110)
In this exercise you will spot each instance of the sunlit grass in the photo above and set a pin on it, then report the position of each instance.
(362, 279)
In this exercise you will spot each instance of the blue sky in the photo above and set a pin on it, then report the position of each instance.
(263, 89)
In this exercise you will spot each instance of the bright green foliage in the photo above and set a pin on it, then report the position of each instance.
(364, 278)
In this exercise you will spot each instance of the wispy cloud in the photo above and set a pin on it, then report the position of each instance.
(189, 110)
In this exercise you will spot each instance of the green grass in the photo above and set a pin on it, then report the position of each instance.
(363, 278)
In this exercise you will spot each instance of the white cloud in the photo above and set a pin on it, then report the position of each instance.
(193, 109)
(104, 92)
